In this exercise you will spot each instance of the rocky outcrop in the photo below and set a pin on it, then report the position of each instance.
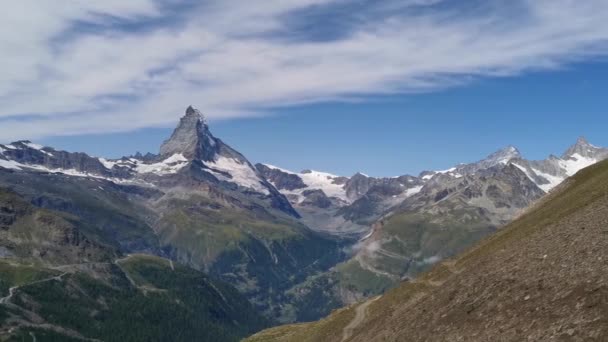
(281, 179)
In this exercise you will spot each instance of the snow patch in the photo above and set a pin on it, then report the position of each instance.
(34, 146)
(412, 191)
(525, 171)
(10, 164)
(316, 180)
(168, 166)
(452, 169)
(449, 172)
(107, 163)
(279, 168)
(553, 180)
(575, 163)
(325, 182)
(242, 173)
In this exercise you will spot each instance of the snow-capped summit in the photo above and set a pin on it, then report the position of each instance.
(503, 156)
(500, 157)
(549, 173)
(193, 140)
(584, 149)
(295, 185)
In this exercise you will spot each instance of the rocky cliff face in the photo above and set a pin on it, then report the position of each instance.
(31, 233)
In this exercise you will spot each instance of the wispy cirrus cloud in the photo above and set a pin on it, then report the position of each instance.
(78, 67)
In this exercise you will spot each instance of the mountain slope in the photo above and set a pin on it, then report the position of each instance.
(410, 223)
(63, 279)
(100, 301)
(541, 278)
(446, 216)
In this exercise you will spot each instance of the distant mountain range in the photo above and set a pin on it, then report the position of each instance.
(295, 244)
(405, 224)
(540, 278)
(361, 194)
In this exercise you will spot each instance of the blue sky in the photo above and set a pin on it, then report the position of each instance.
(540, 113)
(385, 88)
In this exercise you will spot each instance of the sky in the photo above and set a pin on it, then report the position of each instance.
(381, 87)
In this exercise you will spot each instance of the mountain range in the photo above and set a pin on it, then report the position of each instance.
(406, 224)
(296, 245)
(542, 277)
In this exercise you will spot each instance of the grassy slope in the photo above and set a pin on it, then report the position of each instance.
(582, 191)
(15, 274)
(412, 240)
(204, 229)
(261, 252)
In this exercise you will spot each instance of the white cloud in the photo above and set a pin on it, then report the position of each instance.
(234, 58)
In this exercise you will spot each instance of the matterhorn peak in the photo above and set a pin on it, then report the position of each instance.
(195, 113)
(191, 138)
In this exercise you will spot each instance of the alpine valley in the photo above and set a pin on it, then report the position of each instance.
(198, 243)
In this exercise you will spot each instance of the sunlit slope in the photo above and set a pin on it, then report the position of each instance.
(543, 277)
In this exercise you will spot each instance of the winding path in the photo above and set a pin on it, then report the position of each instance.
(361, 310)
(360, 314)
(11, 291)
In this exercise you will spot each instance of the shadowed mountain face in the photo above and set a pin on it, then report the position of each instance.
(540, 278)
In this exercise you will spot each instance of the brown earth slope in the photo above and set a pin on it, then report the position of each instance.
(543, 277)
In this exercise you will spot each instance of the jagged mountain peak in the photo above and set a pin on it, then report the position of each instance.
(583, 148)
(500, 157)
(503, 156)
(360, 175)
(195, 113)
(191, 138)
(582, 140)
